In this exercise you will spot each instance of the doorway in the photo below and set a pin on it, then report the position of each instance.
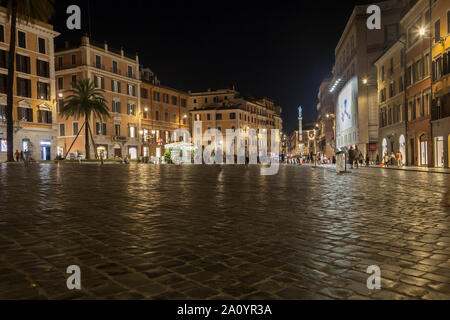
(440, 152)
(412, 152)
(46, 150)
(423, 150)
(402, 144)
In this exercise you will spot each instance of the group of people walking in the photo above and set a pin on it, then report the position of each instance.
(390, 160)
(356, 157)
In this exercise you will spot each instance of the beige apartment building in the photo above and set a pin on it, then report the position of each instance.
(34, 112)
(225, 109)
(391, 88)
(117, 73)
(164, 110)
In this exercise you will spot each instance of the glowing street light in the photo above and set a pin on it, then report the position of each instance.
(422, 31)
(365, 81)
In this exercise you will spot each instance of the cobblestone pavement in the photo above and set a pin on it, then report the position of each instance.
(211, 232)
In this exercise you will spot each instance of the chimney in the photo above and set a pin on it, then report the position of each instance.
(121, 51)
(106, 45)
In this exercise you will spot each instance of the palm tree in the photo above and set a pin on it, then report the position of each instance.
(24, 11)
(84, 101)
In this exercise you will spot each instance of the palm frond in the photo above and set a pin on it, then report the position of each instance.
(85, 100)
(30, 10)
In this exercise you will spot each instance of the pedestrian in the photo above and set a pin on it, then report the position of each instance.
(386, 159)
(22, 157)
(356, 156)
(378, 159)
(367, 160)
(393, 158)
(399, 159)
(351, 156)
(17, 155)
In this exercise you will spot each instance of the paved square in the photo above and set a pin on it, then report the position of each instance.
(211, 232)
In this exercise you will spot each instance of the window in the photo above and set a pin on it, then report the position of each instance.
(232, 115)
(156, 96)
(382, 73)
(165, 98)
(60, 83)
(99, 82)
(3, 59)
(74, 79)
(2, 33)
(25, 114)
(218, 116)
(399, 113)
(183, 103)
(115, 69)
(74, 128)
(390, 116)
(400, 84)
(98, 62)
(131, 90)
(156, 115)
(60, 105)
(208, 116)
(2, 113)
(22, 63)
(74, 59)
(402, 57)
(166, 116)
(43, 68)
(117, 130)
(144, 93)
(383, 94)
(43, 91)
(130, 71)
(131, 109)
(45, 116)
(41, 44)
(62, 129)
(60, 62)
(437, 31)
(21, 39)
(24, 87)
(391, 89)
(3, 82)
(100, 128)
(174, 100)
(116, 106)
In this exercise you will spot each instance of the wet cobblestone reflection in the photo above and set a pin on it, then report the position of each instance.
(210, 232)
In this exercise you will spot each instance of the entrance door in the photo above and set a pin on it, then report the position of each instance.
(423, 151)
(45, 153)
(133, 152)
(45, 150)
(402, 148)
(440, 152)
(412, 152)
(118, 152)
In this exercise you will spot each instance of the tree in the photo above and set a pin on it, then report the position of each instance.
(84, 101)
(22, 11)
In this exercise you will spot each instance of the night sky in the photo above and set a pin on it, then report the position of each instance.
(280, 49)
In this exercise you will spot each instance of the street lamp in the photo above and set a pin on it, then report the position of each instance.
(365, 81)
